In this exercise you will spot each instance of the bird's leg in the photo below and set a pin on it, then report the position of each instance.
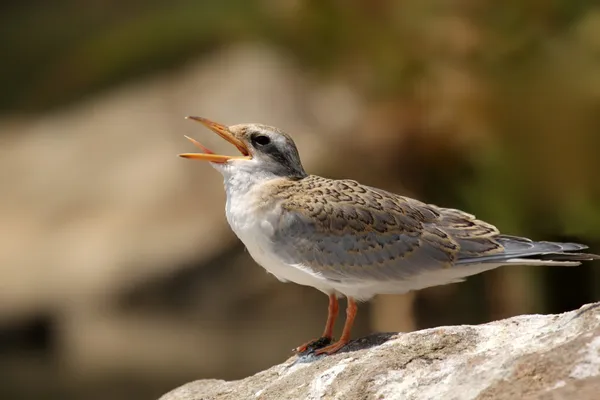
(345, 338)
(332, 313)
(325, 339)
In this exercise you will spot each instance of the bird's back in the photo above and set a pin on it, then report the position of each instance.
(358, 235)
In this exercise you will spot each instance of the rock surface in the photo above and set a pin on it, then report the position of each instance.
(526, 357)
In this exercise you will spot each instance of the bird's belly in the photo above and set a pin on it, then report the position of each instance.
(264, 253)
(254, 225)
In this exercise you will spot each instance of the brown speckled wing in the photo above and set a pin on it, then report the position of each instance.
(348, 231)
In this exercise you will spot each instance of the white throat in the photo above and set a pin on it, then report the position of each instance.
(244, 183)
(242, 177)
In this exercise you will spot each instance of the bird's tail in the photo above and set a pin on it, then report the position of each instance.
(523, 251)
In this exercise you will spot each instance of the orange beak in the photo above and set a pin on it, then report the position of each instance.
(208, 155)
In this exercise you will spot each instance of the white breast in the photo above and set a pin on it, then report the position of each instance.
(254, 225)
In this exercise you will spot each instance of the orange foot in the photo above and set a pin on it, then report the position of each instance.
(333, 348)
(313, 344)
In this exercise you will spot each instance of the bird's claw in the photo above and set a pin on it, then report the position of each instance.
(313, 345)
(331, 349)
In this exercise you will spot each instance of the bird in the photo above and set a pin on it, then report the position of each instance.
(350, 240)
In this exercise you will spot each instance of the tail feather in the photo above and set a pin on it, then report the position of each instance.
(569, 257)
(530, 251)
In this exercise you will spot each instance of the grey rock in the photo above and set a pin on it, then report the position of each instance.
(526, 357)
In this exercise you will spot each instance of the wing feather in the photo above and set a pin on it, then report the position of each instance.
(346, 231)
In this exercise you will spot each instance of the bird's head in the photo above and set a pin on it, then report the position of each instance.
(264, 150)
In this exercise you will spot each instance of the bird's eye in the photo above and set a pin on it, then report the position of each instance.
(261, 140)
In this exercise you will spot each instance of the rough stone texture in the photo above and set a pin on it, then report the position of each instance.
(526, 357)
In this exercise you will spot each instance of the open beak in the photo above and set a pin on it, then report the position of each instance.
(208, 155)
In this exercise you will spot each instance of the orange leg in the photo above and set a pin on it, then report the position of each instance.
(332, 313)
(345, 338)
(328, 332)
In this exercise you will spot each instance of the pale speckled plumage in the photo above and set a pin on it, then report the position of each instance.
(350, 239)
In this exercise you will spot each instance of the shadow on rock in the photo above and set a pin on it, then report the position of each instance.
(366, 342)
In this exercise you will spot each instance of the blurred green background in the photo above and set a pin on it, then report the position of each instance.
(119, 276)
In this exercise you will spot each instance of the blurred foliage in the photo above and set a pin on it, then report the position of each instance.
(62, 50)
(514, 86)
(497, 103)
(517, 84)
